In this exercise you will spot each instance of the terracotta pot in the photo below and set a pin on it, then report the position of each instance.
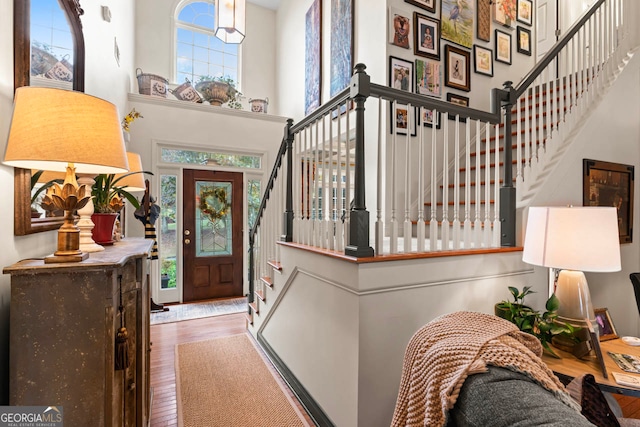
(216, 93)
(102, 233)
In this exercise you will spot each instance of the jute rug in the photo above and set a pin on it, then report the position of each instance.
(225, 382)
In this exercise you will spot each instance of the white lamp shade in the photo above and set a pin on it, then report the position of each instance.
(135, 182)
(230, 21)
(573, 238)
(51, 128)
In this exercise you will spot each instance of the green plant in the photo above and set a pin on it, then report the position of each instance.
(543, 326)
(107, 195)
(235, 96)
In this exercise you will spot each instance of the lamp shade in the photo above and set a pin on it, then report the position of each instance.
(573, 238)
(51, 128)
(230, 21)
(134, 182)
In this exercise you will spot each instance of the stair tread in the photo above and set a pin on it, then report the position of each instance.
(249, 318)
(275, 264)
(267, 281)
(260, 295)
(254, 307)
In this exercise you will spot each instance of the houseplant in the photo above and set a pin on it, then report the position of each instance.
(220, 90)
(543, 326)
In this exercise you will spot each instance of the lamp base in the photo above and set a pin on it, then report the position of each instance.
(55, 259)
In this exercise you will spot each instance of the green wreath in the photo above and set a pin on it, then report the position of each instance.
(219, 206)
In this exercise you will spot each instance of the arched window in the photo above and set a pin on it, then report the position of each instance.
(198, 51)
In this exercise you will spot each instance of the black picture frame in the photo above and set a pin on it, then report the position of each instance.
(426, 118)
(401, 74)
(524, 12)
(460, 100)
(482, 60)
(610, 184)
(605, 325)
(457, 68)
(428, 5)
(400, 110)
(426, 36)
(503, 47)
(524, 41)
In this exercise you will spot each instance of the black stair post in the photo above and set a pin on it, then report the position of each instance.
(251, 272)
(508, 191)
(359, 219)
(287, 225)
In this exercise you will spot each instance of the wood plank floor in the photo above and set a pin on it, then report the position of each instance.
(163, 379)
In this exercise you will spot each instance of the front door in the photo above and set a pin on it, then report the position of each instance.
(212, 234)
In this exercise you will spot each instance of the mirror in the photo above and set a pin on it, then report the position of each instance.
(23, 223)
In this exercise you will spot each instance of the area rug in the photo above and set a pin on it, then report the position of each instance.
(225, 382)
(198, 310)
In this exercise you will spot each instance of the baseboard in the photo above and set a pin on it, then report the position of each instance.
(313, 409)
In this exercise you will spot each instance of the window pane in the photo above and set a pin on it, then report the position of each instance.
(185, 36)
(218, 158)
(168, 232)
(201, 54)
(216, 71)
(253, 199)
(200, 39)
(200, 68)
(215, 57)
(213, 218)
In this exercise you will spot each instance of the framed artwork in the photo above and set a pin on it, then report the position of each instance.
(403, 119)
(610, 184)
(525, 12)
(400, 74)
(457, 64)
(427, 118)
(595, 344)
(460, 100)
(426, 37)
(605, 324)
(503, 47)
(524, 41)
(482, 60)
(341, 51)
(504, 12)
(400, 28)
(313, 57)
(428, 77)
(457, 21)
(483, 26)
(429, 5)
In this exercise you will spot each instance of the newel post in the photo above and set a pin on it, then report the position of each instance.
(508, 191)
(359, 219)
(287, 224)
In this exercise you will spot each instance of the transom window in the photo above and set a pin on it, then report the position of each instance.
(198, 51)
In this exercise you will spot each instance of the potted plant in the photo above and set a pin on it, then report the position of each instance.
(543, 326)
(220, 90)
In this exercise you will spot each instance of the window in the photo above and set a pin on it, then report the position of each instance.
(198, 51)
(51, 41)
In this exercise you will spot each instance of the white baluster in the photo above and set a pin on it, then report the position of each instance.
(477, 224)
(487, 188)
(445, 184)
(467, 188)
(407, 188)
(420, 226)
(456, 185)
(316, 187)
(379, 239)
(433, 219)
(348, 169)
(331, 207)
(496, 190)
(340, 204)
(394, 222)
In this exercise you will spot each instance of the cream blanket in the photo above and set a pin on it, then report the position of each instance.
(444, 352)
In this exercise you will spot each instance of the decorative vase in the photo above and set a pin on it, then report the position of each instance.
(102, 233)
(216, 93)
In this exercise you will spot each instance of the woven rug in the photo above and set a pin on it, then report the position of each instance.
(225, 382)
(198, 310)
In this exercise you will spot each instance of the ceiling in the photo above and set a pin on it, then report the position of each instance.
(269, 4)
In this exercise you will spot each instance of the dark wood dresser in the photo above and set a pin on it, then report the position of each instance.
(63, 324)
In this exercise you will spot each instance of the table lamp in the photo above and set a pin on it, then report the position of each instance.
(62, 130)
(132, 181)
(574, 239)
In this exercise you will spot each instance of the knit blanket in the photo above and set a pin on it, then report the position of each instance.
(444, 352)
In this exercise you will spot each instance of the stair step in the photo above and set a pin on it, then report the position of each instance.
(267, 281)
(450, 203)
(275, 264)
(254, 307)
(491, 165)
(249, 318)
(260, 295)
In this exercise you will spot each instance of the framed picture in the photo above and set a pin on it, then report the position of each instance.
(313, 57)
(525, 11)
(400, 28)
(400, 74)
(457, 64)
(610, 184)
(427, 118)
(504, 12)
(483, 26)
(428, 77)
(482, 60)
(457, 21)
(429, 5)
(341, 49)
(524, 41)
(503, 47)
(595, 344)
(460, 100)
(426, 37)
(607, 330)
(403, 119)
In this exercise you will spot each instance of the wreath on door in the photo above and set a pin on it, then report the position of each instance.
(213, 203)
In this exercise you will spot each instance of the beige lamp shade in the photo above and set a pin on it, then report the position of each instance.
(135, 182)
(230, 21)
(53, 127)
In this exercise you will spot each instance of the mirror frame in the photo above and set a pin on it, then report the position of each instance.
(23, 223)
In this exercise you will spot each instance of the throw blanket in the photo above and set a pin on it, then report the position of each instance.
(444, 352)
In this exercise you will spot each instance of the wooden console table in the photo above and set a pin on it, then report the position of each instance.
(570, 367)
(63, 323)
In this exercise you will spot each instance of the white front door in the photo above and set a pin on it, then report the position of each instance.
(546, 24)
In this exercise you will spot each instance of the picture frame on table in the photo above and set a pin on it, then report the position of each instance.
(595, 345)
(428, 5)
(428, 77)
(610, 184)
(482, 60)
(460, 100)
(426, 36)
(524, 12)
(524, 41)
(401, 74)
(605, 324)
(400, 28)
(503, 47)
(403, 119)
(457, 65)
